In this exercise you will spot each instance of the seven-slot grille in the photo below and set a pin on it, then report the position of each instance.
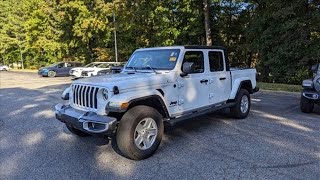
(85, 96)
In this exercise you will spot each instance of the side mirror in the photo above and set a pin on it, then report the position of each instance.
(187, 68)
(314, 68)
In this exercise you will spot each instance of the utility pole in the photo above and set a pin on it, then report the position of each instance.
(207, 22)
(21, 55)
(115, 34)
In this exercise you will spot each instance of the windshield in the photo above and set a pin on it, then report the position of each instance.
(161, 59)
(92, 64)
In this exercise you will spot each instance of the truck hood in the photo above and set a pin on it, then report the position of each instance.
(126, 80)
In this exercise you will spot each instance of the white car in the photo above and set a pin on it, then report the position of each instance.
(76, 72)
(157, 86)
(4, 68)
(93, 69)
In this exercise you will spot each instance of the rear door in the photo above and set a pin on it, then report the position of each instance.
(193, 88)
(219, 78)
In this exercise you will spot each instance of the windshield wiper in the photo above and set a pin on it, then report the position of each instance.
(152, 69)
(130, 67)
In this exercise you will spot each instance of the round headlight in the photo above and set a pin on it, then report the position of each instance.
(105, 94)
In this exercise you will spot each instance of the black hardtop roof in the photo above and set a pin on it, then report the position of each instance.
(204, 47)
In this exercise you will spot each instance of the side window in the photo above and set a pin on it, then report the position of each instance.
(197, 58)
(216, 61)
(69, 64)
(60, 65)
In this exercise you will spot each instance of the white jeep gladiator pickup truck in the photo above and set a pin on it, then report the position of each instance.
(158, 86)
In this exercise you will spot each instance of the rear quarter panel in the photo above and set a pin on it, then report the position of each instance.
(240, 75)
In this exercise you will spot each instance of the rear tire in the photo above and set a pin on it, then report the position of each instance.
(52, 74)
(306, 105)
(139, 132)
(77, 132)
(243, 104)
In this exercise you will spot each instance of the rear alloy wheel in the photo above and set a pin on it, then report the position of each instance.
(243, 103)
(51, 74)
(139, 132)
(306, 105)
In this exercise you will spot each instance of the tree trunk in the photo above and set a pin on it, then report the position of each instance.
(207, 22)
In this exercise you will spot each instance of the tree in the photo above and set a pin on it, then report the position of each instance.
(207, 22)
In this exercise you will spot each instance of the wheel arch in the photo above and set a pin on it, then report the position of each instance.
(154, 101)
(242, 84)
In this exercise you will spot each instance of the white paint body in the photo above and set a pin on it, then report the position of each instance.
(4, 68)
(90, 71)
(188, 93)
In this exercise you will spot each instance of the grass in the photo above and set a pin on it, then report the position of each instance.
(280, 87)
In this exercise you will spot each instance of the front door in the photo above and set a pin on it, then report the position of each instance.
(65, 70)
(193, 88)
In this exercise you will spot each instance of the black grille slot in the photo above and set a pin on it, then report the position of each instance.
(85, 96)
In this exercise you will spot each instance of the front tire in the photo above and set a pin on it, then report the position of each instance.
(243, 104)
(52, 74)
(139, 132)
(306, 105)
(76, 131)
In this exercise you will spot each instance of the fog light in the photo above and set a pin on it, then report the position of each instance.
(315, 96)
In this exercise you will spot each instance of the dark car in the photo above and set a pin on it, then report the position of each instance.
(58, 69)
(311, 91)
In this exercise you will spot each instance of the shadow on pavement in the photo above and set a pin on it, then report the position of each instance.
(275, 140)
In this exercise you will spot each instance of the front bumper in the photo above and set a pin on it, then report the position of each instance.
(88, 122)
(43, 73)
(312, 95)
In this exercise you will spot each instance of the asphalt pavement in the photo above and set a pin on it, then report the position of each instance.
(276, 141)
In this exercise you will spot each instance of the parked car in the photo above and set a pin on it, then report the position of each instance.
(58, 69)
(93, 71)
(4, 68)
(311, 91)
(112, 70)
(157, 86)
(76, 72)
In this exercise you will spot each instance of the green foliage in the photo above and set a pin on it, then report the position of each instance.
(284, 35)
(279, 87)
(280, 38)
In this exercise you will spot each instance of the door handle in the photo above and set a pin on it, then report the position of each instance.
(223, 78)
(204, 81)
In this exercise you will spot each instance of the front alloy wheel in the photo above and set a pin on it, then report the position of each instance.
(51, 74)
(139, 132)
(145, 133)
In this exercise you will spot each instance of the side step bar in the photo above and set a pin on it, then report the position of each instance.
(188, 116)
